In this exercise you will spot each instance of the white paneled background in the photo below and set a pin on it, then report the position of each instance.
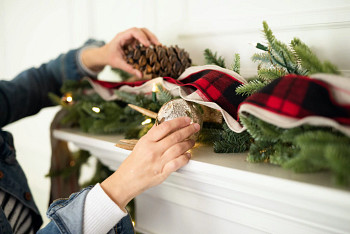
(34, 31)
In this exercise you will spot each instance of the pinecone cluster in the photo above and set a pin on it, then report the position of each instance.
(156, 61)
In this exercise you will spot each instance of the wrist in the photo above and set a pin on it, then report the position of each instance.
(115, 187)
(93, 58)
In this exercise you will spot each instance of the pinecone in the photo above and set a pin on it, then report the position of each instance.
(155, 61)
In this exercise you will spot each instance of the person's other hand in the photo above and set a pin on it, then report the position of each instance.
(160, 152)
(112, 53)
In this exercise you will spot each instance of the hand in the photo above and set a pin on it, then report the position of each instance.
(112, 53)
(160, 152)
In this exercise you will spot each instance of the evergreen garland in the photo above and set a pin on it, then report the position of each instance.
(232, 142)
(303, 149)
(279, 59)
(222, 137)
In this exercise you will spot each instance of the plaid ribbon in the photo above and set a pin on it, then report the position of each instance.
(299, 97)
(215, 86)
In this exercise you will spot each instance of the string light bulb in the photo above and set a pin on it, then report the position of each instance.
(96, 109)
(69, 99)
(147, 121)
(154, 92)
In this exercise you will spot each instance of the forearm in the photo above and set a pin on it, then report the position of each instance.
(94, 58)
(27, 93)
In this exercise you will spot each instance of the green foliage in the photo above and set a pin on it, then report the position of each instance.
(129, 98)
(251, 87)
(236, 67)
(212, 58)
(309, 60)
(260, 151)
(55, 99)
(279, 59)
(269, 74)
(163, 96)
(232, 142)
(303, 149)
(210, 133)
(79, 158)
(140, 100)
(224, 139)
(74, 86)
(262, 58)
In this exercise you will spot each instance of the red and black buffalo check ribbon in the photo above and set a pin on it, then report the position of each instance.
(216, 86)
(299, 97)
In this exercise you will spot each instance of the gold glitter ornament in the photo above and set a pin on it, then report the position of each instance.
(180, 108)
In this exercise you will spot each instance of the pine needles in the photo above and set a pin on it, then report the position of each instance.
(222, 137)
(302, 149)
(278, 59)
(212, 58)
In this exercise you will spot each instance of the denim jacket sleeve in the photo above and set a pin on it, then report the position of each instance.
(27, 93)
(67, 216)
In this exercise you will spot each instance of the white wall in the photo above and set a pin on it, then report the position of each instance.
(34, 31)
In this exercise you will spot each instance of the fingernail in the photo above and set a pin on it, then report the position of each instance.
(196, 126)
(188, 120)
(188, 155)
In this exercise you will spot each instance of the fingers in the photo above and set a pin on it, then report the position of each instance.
(150, 36)
(128, 68)
(175, 150)
(156, 133)
(179, 136)
(175, 164)
(142, 35)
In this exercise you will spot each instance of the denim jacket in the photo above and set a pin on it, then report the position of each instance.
(26, 95)
(66, 216)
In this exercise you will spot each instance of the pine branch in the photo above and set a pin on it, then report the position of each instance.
(250, 88)
(74, 86)
(231, 142)
(211, 58)
(209, 135)
(55, 99)
(309, 60)
(236, 67)
(163, 95)
(249, 121)
(260, 151)
(271, 74)
(283, 152)
(89, 109)
(329, 67)
(339, 161)
(262, 58)
(277, 45)
(126, 97)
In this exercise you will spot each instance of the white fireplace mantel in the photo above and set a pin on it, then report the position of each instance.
(222, 193)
